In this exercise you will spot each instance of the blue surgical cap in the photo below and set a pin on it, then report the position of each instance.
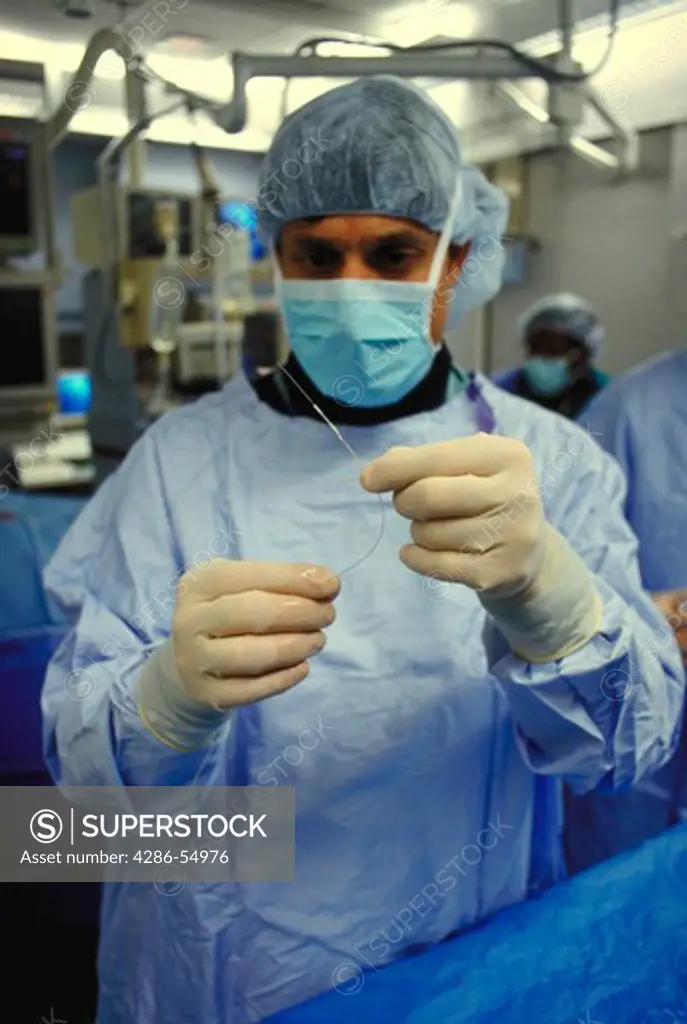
(568, 314)
(379, 145)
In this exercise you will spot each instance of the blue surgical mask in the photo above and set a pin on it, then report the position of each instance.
(547, 377)
(365, 342)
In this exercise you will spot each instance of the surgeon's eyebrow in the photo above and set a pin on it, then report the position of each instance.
(407, 236)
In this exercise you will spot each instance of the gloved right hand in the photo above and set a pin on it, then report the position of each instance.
(241, 632)
(673, 606)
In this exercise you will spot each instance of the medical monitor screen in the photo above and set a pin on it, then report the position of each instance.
(244, 217)
(74, 392)
(15, 191)
(21, 316)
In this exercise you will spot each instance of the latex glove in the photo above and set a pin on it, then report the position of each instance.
(673, 606)
(477, 519)
(241, 632)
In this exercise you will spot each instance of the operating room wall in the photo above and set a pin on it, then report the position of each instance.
(166, 167)
(612, 244)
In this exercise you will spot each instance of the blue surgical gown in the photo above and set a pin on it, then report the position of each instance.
(423, 753)
(641, 419)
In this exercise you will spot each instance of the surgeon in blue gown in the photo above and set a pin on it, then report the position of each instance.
(423, 585)
(641, 419)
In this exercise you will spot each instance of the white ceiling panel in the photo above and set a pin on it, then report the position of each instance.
(234, 24)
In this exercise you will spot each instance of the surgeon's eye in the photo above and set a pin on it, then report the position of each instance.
(394, 260)
(314, 258)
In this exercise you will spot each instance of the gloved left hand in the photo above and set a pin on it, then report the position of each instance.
(477, 519)
(474, 505)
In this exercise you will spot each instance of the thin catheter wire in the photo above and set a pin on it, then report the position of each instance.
(123, 709)
(354, 454)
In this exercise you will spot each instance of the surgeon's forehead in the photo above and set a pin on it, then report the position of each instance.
(352, 229)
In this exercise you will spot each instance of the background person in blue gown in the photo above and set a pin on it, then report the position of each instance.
(562, 336)
(641, 419)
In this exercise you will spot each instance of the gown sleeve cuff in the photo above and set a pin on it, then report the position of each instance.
(558, 614)
(166, 709)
